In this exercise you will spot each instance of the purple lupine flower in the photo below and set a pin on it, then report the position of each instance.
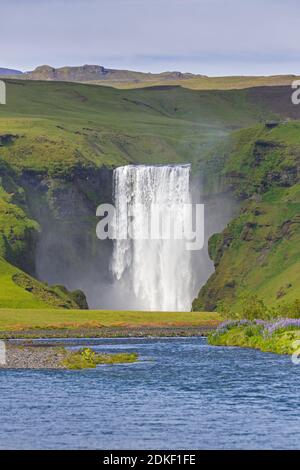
(261, 322)
(284, 323)
(227, 325)
(267, 327)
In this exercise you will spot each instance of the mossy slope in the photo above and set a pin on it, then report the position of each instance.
(54, 129)
(259, 251)
(19, 290)
(55, 126)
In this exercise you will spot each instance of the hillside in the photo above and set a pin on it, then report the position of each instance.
(48, 126)
(5, 72)
(202, 82)
(87, 73)
(259, 251)
(59, 142)
(128, 79)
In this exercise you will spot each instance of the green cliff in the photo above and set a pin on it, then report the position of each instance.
(60, 141)
(259, 251)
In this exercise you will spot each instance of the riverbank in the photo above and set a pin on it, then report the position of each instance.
(58, 357)
(279, 337)
(40, 323)
(105, 332)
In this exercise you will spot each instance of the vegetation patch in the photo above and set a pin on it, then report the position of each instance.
(32, 356)
(280, 337)
(86, 358)
(57, 296)
(259, 250)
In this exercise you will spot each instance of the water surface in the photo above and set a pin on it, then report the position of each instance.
(182, 394)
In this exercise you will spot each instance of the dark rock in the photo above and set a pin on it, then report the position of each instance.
(80, 298)
(271, 124)
(6, 139)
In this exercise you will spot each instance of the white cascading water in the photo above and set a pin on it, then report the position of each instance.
(157, 273)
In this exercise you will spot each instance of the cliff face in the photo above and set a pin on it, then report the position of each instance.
(67, 249)
(83, 73)
(86, 73)
(48, 230)
(259, 250)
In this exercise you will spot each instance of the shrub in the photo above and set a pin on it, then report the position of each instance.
(86, 358)
(224, 307)
(289, 309)
(252, 308)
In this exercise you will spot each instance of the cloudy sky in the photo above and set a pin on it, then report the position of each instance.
(211, 37)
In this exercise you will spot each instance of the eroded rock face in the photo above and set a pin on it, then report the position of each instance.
(258, 251)
(67, 250)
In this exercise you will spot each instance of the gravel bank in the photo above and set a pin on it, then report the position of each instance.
(35, 356)
(28, 357)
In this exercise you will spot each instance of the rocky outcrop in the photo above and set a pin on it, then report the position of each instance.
(55, 296)
(6, 139)
(86, 73)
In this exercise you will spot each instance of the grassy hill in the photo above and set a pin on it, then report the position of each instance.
(52, 126)
(202, 82)
(128, 79)
(49, 128)
(19, 290)
(259, 251)
(87, 73)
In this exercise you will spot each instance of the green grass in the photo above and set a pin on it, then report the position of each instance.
(206, 83)
(86, 358)
(259, 251)
(19, 290)
(280, 342)
(126, 79)
(16, 229)
(61, 125)
(14, 319)
(11, 295)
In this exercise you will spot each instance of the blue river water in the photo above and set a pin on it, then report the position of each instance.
(182, 394)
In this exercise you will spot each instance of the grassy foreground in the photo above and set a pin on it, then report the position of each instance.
(24, 319)
(280, 337)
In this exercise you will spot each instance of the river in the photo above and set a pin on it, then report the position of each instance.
(182, 394)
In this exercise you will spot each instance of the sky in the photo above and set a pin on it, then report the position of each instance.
(209, 37)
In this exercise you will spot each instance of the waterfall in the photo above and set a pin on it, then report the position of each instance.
(157, 273)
